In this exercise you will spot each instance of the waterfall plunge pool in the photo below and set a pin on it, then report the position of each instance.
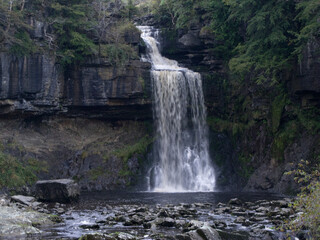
(120, 211)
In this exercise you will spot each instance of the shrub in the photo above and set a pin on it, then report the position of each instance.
(15, 173)
(308, 200)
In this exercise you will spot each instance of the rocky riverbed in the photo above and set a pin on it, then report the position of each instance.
(25, 218)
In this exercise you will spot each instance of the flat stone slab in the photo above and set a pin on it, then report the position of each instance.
(23, 199)
(18, 224)
(59, 190)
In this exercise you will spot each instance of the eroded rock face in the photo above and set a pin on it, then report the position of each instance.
(59, 190)
(36, 85)
(76, 148)
(306, 83)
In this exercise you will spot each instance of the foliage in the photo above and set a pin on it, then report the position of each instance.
(259, 39)
(95, 173)
(116, 49)
(73, 30)
(307, 202)
(283, 139)
(117, 54)
(309, 119)
(246, 169)
(129, 151)
(130, 10)
(222, 125)
(12, 23)
(276, 111)
(15, 173)
(70, 22)
(308, 15)
(23, 45)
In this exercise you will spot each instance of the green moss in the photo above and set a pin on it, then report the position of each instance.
(276, 111)
(95, 173)
(24, 45)
(283, 139)
(141, 81)
(55, 218)
(16, 173)
(129, 150)
(124, 154)
(309, 119)
(138, 149)
(84, 154)
(246, 169)
(221, 125)
(118, 54)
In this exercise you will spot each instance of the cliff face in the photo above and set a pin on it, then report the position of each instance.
(89, 122)
(263, 129)
(306, 83)
(36, 85)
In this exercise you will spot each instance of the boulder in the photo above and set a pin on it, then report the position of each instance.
(232, 235)
(235, 201)
(206, 232)
(59, 190)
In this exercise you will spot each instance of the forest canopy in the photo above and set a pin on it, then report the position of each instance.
(260, 38)
(72, 29)
(257, 38)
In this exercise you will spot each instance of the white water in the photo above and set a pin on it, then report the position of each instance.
(183, 162)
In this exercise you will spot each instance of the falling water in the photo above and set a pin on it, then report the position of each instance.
(184, 163)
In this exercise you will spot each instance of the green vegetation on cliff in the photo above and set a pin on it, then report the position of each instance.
(307, 202)
(259, 39)
(72, 30)
(15, 173)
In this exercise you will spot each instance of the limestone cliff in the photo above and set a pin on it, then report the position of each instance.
(36, 85)
(265, 130)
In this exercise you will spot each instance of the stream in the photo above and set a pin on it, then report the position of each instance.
(129, 212)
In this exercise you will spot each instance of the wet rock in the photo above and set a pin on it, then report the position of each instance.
(149, 218)
(286, 212)
(208, 233)
(56, 218)
(121, 218)
(141, 209)
(235, 201)
(136, 220)
(23, 199)
(220, 224)
(90, 226)
(17, 224)
(60, 190)
(4, 201)
(223, 210)
(163, 213)
(180, 223)
(164, 222)
(188, 236)
(97, 236)
(147, 225)
(205, 232)
(240, 213)
(124, 236)
(232, 236)
(240, 220)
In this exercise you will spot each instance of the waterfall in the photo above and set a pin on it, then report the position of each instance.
(183, 161)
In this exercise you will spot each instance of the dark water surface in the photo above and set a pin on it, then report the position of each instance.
(94, 199)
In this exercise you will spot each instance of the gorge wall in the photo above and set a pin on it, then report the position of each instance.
(89, 122)
(258, 132)
(92, 121)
